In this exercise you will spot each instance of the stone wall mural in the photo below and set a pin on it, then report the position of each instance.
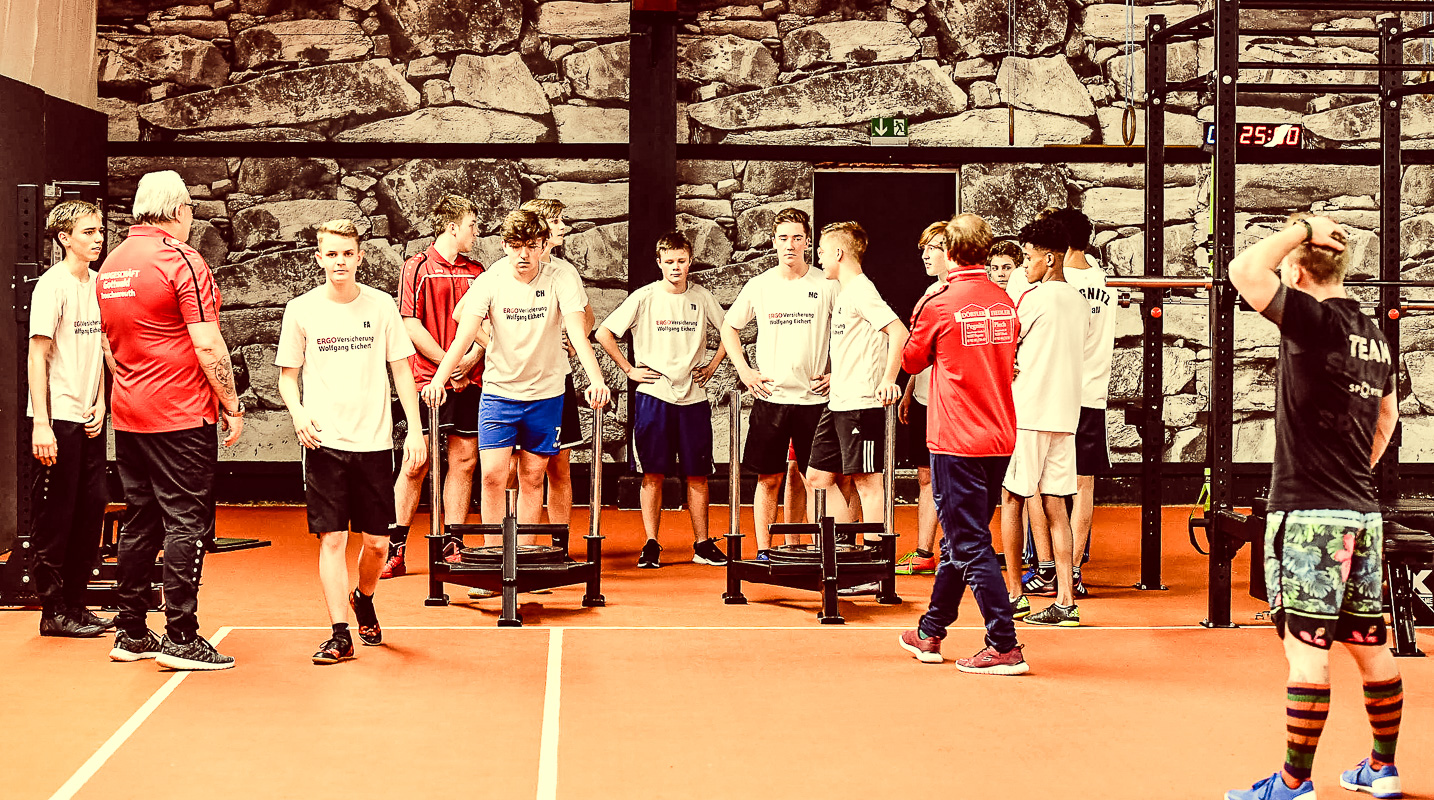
(365, 70)
(753, 72)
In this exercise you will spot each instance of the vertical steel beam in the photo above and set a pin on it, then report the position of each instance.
(1152, 425)
(1390, 166)
(1220, 442)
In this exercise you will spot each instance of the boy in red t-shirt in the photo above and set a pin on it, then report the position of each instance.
(430, 288)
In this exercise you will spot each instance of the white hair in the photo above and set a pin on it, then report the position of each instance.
(159, 197)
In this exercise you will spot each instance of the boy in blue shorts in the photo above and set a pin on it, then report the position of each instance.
(672, 420)
(528, 306)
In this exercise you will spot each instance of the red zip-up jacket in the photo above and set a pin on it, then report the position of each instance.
(966, 331)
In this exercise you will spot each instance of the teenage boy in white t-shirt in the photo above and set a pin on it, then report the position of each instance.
(528, 305)
(912, 414)
(346, 337)
(1092, 454)
(866, 342)
(1053, 319)
(671, 418)
(67, 403)
(792, 304)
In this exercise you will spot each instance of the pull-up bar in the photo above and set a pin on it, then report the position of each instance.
(1389, 6)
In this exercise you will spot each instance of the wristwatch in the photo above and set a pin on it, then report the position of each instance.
(239, 412)
(1309, 229)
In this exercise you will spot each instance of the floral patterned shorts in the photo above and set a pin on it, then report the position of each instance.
(1325, 571)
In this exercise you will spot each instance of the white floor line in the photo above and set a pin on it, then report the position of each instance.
(102, 755)
(1260, 626)
(552, 699)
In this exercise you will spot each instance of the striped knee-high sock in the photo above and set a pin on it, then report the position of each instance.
(1384, 702)
(1306, 709)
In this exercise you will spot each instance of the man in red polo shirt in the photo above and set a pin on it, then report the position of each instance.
(159, 309)
(966, 331)
(429, 289)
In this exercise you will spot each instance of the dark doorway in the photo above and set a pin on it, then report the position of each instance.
(894, 208)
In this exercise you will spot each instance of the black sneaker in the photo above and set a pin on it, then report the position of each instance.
(88, 617)
(129, 648)
(707, 552)
(368, 627)
(1080, 592)
(335, 650)
(651, 552)
(197, 655)
(60, 623)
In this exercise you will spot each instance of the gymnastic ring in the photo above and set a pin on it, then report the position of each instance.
(1127, 125)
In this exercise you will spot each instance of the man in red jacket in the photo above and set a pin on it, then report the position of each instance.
(966, 331)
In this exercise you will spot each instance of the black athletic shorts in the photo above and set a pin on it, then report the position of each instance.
(916, 450)
(771, 427)
(458, 416)
(570, 430)
(1092, 454)
(850, 442)
(346, 490)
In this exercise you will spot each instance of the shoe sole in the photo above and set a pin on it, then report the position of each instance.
(324, 660)
(916, 572)
(481, 594)
(128, 656)
(1005, 669)
(708, 562)
(98, 632)
(177, 663)
(645, 565)
(921, 655)
(385, 576)
(1065, 623)
(1369, 790)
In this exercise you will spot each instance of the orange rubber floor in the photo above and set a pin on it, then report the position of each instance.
(668, 693)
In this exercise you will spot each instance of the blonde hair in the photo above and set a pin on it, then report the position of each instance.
(159, 196)
(450, 210)
(337, 227)
(932, 231)
(673, 240)
(546, 207)
(524, 226)
(968, 240)
(63, 217)
(1325, 265)
(793, 215)
(851, 236)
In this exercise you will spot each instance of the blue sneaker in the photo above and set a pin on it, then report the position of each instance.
(1271, 788)
(1382, 783)
(762, 556)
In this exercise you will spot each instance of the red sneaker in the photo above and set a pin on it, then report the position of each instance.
(990, 662)
(927, 651)
(451, 552)
(395, 567)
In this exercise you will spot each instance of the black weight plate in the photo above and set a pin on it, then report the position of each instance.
(808, 554)
(527, 554)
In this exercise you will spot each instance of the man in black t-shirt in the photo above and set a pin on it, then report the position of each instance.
(1335, 410)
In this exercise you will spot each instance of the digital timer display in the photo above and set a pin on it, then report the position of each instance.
(1261, 134)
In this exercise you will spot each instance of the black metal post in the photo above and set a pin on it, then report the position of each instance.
(509, 616)
(733, 595)
(437, 534)
(830, 614)
(1152, 425)
(1390, 169)
(592, 597)
(1220, 442)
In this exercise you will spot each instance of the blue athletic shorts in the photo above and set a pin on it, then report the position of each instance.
(669, 439)
(530, 424)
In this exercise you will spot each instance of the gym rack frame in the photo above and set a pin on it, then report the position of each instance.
(1228, 531)
(833, 564)
(513, 568)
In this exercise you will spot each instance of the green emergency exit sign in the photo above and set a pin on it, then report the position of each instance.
(888, 130)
